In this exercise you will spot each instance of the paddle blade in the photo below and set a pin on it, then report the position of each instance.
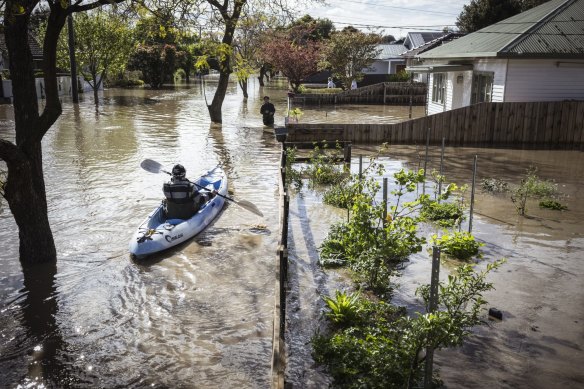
(151, 166)
(249, 206)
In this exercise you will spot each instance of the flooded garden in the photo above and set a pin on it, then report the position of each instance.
(200, 315)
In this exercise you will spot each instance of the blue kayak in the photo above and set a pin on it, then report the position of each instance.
(157, 233)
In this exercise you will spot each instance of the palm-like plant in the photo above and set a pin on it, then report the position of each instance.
(344, 308)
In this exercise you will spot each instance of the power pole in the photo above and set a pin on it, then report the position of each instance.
(74, 91)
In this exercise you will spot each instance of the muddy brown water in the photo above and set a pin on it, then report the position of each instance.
(200, 315)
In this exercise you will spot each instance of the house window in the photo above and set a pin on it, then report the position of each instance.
(438, 88)
(482, 88)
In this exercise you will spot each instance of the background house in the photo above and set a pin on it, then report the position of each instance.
(537, 55)
(63, 80)
(391, 58)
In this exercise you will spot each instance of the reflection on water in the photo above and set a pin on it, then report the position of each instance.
(200, 315)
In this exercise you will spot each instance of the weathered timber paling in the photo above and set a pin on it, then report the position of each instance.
(392, 93)
(550, 125)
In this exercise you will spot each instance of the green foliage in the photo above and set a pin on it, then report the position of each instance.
(157, 63)
(445, 214)
(125, 79)
(371, 246)
(340, 195)
(532, 186)
(347, 53)
(460, 245)
(382, 349)
(318, 29)
(552, 204)
(401, 76)
(344, 308)
(296, 113)
(104, 41)
(494, 185)
(482, 13)
(323, 168)
(318, 91)
(293, 176)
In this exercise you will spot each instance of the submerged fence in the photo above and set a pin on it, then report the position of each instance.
(549, 125)
(391, 93)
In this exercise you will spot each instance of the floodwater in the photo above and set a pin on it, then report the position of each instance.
(200, 315)
(540, 289)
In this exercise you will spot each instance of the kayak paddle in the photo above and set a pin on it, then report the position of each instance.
(154, 167)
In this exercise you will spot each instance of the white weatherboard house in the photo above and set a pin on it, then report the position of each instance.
(390, 59)
(537, 55)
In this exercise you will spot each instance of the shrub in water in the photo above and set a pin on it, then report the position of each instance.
(460, 245)
(552, 204)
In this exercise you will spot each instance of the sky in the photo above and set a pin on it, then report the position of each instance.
(395, 17)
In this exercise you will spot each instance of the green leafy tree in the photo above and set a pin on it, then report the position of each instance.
(162, 27)
(347, 53)
(482, 13)
(157, 63)
(103, 44)
(319, 29)
(246, 48)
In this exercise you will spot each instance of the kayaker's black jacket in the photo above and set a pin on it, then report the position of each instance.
(182, 199)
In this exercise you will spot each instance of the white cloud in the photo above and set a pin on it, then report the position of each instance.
(395, 17)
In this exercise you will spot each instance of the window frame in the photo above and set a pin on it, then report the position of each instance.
(439, 88)
(482, 87)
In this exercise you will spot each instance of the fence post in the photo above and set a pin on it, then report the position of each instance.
(441, 171)
(426, 159)
(384, 201)
(433, 304)
(360, 167)
(472, 193)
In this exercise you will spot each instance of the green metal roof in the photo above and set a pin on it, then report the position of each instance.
(552, 30)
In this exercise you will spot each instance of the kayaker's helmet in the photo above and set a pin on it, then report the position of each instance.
(179, 171)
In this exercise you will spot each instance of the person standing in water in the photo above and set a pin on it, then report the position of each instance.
(268, 110)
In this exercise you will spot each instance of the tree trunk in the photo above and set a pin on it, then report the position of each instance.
(224, 65)
(25, 185)
(263, 72)
(243, 86)
(217, 103)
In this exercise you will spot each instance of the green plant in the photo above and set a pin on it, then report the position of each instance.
(296, 113)
(323, 168)
(293, 176)
(368, 244)
(460, 245)
(344, 308)
(384, 348)
(494, 185)
(552, 204)
(340, 195)
(444, 214)
(401, 76)
(532, 186)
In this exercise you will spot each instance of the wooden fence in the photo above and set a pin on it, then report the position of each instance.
(549, 125)
(279, 323)
(391, 93)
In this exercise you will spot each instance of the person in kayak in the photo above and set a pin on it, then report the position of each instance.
(268, 110)
(183, 198)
